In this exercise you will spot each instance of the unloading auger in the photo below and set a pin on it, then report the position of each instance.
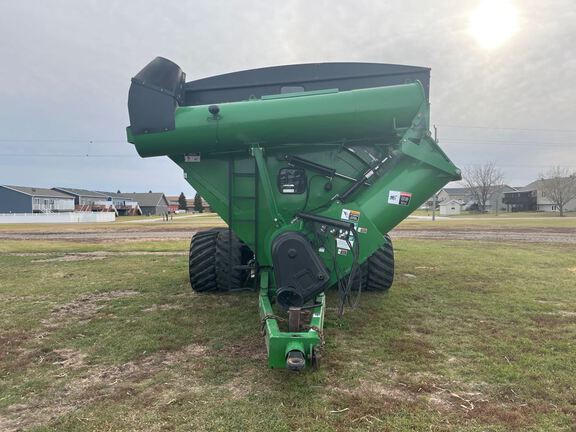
(310, 166)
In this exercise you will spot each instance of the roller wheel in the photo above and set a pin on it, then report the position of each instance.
(213, 254)
(380, 268)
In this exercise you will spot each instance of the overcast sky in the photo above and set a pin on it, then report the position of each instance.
(66, 68)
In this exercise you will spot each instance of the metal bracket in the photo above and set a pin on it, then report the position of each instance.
(258, 155)
(294, 316)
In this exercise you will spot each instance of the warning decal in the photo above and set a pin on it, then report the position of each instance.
(350, 215)
(399, 198)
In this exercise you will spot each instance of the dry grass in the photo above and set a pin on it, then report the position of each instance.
(479, 337)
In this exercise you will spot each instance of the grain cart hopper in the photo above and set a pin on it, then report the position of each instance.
(309, 165)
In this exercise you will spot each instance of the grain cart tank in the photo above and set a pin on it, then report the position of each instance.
(309, 165)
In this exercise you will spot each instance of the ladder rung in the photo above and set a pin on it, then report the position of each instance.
(245, 174)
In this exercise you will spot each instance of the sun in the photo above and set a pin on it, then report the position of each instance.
(493, 22)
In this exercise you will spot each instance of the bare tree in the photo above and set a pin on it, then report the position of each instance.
(559, 186)
(484, 183)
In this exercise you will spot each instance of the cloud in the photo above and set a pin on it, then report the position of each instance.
(67, 67)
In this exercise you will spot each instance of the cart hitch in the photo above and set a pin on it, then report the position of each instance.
(295, 361)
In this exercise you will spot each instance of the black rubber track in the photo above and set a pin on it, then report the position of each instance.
(380, 268)
(208, 262)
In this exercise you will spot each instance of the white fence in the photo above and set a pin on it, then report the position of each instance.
(71, 217)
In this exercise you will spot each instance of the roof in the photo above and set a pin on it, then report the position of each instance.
(456, 191)
(34, 191)
(451, 202)
(466, 191)
(80, 192)
(537, 184)
(520, 190)
(145, 199)
(190, 202)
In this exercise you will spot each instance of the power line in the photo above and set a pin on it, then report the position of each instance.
(81, 141)
(520, 143)
(30, 155)
(507, 128)
(442, 140)
(530, 166)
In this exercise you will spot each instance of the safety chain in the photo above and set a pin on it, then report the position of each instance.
(266, 318)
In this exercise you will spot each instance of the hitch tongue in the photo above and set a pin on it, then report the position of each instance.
(295, 361)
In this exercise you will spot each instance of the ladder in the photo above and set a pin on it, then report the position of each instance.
(243, 206)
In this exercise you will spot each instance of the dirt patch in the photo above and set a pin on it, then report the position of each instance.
(162, 307)
(70, 358)
(70, 258)
(529, 236)
(371, 399)
(564, 313)
(102, 236)
(87, 256)
(11, 341)
(83, 308)
(426, 268)
(413, 348)
(251, 349)
(95, 384)
(554, 319)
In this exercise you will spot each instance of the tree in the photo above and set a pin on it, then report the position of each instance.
(182, 204)
(198, 203)
(484, 183)
(559, 186)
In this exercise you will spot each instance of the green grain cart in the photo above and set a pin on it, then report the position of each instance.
(309, 165)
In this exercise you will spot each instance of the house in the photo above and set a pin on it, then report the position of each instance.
(22, 199)
(173, 204)
(531, 198)
(87, 200)
(150, 203)
(84, 200)
(520, 200)
(450, 208)
(457, 194)
(205, 206)
(122, 205)
(495, 202)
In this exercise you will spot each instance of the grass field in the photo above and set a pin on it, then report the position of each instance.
(99, 336)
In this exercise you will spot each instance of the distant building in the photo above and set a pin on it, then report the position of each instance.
(531, 198)
(463, 195)
(84, 200)
(205, 205)
(151, 203)
(450, 208)
(458, 194)
(173, 204)
(123, 206)
(87, 200)
(521, 200)
(22, 199)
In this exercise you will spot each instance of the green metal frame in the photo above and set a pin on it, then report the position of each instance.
(279, 343)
